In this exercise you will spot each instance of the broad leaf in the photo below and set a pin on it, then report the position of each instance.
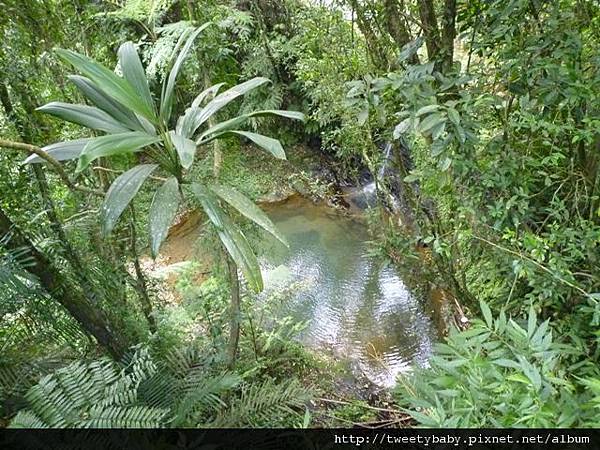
(118, 88)
(134, 73)
(103, 101)
(402, 127)
(166, 102)
(363, 115)
(295, 115)
(87, 116)
(61, 151)
(273, 146)
(427, 109)
(162, 212)
(247, 207)
(206, 93)
(184, 123)
(186, 149)
(411, 48)
(430, 121)
(120, 194)
(454, 116)
(232, 238)
(232, 123)
(200, 116)
(114, 144)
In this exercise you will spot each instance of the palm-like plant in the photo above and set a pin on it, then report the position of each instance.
(125, 110)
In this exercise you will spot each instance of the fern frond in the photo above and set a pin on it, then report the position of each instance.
(259, 404)
(27, 419)
(202, 395)
(98, 394)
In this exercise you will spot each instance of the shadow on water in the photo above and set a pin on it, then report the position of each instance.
(354, 304)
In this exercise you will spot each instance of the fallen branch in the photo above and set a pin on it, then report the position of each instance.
(374, 408)
(29, 149)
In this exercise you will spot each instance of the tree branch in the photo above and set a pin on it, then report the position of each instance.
(29, 149)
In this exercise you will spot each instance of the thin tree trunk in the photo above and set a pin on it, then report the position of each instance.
(235, 312)
(448, 34)
(376, 53)
(61, 289)
(69, 253)
(140, 282)
(234, 282)
(430, 28)
(397, 28)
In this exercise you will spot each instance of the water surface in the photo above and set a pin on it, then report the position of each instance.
(354, 304)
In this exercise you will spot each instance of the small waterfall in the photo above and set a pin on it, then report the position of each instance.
(365, 196)
(387, 152)
(369, 190)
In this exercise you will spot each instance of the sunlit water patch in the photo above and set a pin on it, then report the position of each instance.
(352, 303)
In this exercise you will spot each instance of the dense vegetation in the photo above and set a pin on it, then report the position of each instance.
(491, 109)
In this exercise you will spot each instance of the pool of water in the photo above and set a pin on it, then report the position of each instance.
(354, 304)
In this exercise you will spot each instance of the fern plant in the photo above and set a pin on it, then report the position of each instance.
(91, 395)
(264, 404)
(182, 390)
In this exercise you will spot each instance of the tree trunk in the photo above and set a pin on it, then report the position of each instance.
(140, 280)
(235, 311)
(430, 28)
(234, 282)
(61, 289)
(397, 28)
(377, 54)
(448, 34)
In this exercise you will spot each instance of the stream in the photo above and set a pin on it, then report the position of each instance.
(352, 303)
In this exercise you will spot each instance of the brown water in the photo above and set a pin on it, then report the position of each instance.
(352, 303)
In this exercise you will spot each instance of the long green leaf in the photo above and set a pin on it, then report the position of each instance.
(162, 212)
(166, 102)
(221, 100)
(60, 151)
(120, 194)
(103, 101)
(232, 238)
(114, 144)
(487, 313)
(206, 93)
(231, 123)
(118, 88)
(186, 149)
(247, 207)
(134, 73)
(87, 116)
(271, 145)
(184, 123)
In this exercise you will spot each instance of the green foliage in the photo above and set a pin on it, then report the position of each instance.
(496, 156)
(94, 395)
(356, 412)
(265, 405)
(499, 373)
(184, 388)
(130, 96)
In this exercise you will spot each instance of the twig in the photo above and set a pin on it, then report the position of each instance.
(374, 408)
(384, 423)
(537, 264)
(50, 160)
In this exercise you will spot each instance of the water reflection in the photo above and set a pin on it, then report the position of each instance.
(352, 303)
